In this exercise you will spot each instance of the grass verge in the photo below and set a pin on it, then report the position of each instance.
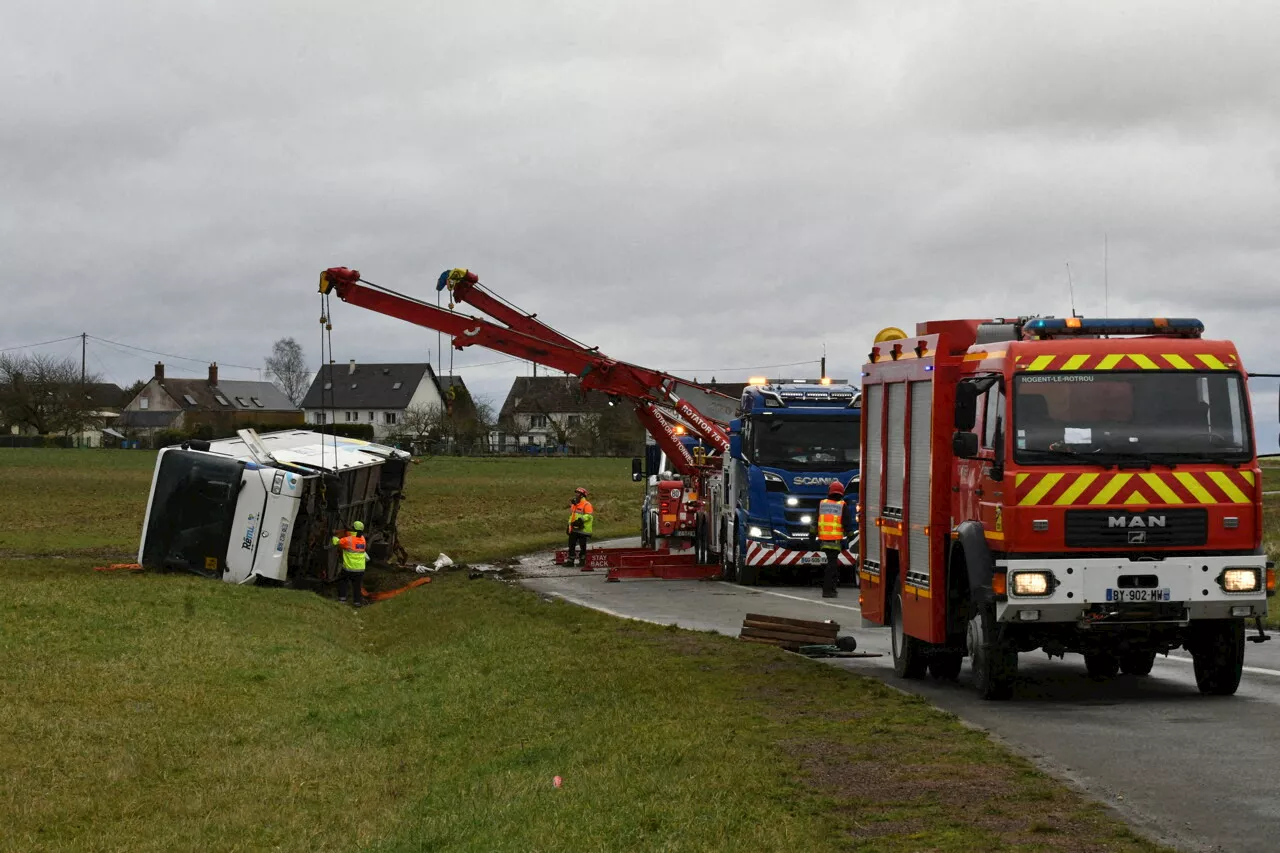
(166, 712)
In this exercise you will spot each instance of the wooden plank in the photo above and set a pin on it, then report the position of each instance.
(799, 623)
(779, 626)
(786, 636)
(791, 647)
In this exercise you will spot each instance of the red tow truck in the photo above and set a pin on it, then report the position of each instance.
(664, 404)
(1072, 485)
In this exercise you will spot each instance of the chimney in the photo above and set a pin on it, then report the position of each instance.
(213, 373)
(160, 371)
(352, 368)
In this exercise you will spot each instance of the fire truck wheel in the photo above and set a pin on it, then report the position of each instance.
(1137, 663)
(908, 652)
(945, 666)
(646, 536)
(1217, 652)
(995, 664)
(1101, 665)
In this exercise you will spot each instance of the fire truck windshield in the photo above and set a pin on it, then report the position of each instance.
(805, 444)
(1153, 415)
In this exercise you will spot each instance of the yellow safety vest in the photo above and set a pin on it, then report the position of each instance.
(831, 521)
(353, 552)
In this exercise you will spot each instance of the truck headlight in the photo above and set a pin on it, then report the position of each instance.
(755, 532)
(793, 502)
(806, 519)
(1240, 580)
(1031, 583)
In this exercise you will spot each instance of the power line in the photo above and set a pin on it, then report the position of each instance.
(169, 354)
(41, 344)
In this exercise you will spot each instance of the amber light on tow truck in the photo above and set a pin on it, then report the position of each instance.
(1271, 581)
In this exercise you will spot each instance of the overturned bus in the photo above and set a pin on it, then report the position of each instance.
(266, 506)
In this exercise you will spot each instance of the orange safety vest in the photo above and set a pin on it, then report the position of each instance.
(831, 521)
(582, 508)
(353, 552)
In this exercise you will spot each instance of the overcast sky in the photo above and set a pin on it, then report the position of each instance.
(692, 186)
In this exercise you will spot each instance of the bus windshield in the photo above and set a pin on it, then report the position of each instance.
(192, 512)
(805, 444)
(1162, 416)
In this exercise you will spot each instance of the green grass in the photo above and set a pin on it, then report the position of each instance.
(165, 712)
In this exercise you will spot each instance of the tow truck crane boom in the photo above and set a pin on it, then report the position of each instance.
(526, 337)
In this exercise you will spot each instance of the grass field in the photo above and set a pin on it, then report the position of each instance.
(168, 712)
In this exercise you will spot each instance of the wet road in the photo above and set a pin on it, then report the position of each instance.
(1195, 772)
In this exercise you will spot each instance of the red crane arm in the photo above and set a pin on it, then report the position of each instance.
(595, 371)
(464, 285)
(657, 426)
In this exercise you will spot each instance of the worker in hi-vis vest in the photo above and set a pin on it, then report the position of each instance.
(354, 557)
(581, 516)
(831, 515)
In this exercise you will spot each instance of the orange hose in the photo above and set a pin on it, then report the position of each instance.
(392, 593)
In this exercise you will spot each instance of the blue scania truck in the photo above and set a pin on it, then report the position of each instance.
(790, 440)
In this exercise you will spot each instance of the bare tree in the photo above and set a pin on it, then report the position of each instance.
(423, 423)
(45, 394)
(288, 369)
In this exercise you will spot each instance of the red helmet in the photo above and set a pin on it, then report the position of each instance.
(580, 491)
(835, 488)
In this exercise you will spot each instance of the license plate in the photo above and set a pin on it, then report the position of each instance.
(817, 558)
(1124, 596)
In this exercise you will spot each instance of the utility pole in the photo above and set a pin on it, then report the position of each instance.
(84, 345)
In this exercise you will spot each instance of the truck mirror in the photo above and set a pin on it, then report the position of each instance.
(735, 445)
(966, 406)
(964, 444)
(637, 472)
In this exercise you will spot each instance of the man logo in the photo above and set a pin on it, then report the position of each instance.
(1137, 537)
(1135, 521)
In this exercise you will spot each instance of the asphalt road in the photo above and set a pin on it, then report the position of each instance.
(1195, 772)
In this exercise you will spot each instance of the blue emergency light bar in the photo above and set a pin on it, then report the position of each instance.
(1174, 327)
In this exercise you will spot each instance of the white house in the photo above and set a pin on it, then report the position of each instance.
(376, 394)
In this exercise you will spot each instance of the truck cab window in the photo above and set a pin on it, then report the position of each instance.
(993, 413)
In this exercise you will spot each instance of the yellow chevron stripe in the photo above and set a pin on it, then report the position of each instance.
(1143, 362)
(1233, 491)
(1188, 480)
(1074, 362)
(1109, 490)
(1075, 489)
(1109, 361)
(1178, 362)
(1040, 363)
(1136, 498)
(1042, 488)
(1018, 480)
(1248, 475)
(1161, 488)
(1212, 362)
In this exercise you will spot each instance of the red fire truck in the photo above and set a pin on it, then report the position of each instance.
(1071, 485)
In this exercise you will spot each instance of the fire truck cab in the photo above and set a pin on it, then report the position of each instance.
(1071, 485)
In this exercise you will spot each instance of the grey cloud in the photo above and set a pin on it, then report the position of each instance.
(682, 186)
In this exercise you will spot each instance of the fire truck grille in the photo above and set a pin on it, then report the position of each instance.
(1119, 529)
